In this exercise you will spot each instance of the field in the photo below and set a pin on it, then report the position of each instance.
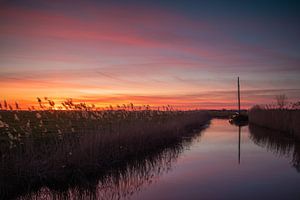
(54, 147)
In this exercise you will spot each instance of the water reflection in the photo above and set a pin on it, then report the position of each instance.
(239, 144)
(120, 182)
(277, 143)
(239, 125)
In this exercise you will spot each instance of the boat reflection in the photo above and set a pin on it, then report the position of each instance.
(277, 143)
(120, 182)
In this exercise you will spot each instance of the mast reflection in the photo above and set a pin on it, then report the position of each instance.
(239, 144)
(239, 125)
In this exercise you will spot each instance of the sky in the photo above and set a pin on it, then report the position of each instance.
(187, 54)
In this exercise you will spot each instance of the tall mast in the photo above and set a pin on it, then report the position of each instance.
(239, 98)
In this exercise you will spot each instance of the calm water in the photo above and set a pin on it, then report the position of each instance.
(217, 163)
(210, 168)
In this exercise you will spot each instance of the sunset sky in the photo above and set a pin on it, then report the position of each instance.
(184, 53)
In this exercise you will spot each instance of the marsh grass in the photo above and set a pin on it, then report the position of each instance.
(49, 147)
(119, 182)
(283, 119)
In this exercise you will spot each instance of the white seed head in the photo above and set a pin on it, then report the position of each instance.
(38, 115)
(16, 117)
(28, 124)
(10, 136)
(2, 124)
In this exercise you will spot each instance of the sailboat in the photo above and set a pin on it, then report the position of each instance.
(239, 118)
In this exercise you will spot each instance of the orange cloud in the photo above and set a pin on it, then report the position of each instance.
(115, 55)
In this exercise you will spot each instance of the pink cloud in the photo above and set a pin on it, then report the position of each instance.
(130, 54)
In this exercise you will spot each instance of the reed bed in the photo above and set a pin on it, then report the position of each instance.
(47, 147)
(121, 181)
(286, 120)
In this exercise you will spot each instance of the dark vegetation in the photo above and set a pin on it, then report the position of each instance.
(283, 116)
(62, 149)
(287, 121)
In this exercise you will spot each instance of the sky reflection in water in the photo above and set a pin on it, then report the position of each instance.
(210, 168)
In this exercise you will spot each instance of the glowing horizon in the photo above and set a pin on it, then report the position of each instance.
(187, 55)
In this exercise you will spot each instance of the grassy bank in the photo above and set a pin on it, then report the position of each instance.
(284, 120)
(44, 148)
